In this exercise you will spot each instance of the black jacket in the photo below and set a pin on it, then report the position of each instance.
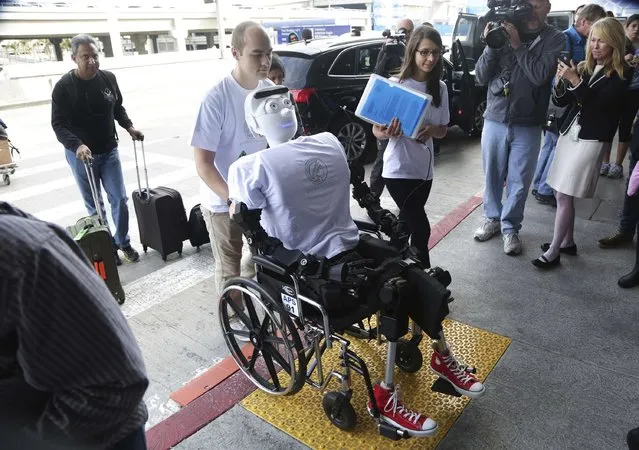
(83, 112)
(600, 100)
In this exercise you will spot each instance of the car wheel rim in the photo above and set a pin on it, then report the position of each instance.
(353, 138)
(479, 115)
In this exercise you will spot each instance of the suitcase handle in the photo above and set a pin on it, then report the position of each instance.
(88, 167)
(137, 170)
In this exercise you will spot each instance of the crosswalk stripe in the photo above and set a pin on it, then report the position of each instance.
(25, 172)
(39, 152)
(77, 207)
(166, 282)
(50, 186)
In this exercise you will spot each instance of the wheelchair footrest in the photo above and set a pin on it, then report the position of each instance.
(391, 432)
(444, 387)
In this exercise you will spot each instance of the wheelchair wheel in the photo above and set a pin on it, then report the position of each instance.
(337, 407)
(277, 364)
(409, 357)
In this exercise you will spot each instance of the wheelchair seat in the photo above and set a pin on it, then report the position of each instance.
(343, 305)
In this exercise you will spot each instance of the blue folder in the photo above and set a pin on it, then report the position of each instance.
(383, 100)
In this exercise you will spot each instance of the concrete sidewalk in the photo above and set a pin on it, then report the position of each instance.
(569, 378)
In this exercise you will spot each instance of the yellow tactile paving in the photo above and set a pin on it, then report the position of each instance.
(302, 416)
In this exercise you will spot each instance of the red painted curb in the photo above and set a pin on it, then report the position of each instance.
(199, 413)
(450, 221)
(215, 402)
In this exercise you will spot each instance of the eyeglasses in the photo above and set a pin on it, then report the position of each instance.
(427, 53)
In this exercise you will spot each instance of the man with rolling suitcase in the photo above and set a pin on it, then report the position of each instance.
(85, 104)
(221, 136)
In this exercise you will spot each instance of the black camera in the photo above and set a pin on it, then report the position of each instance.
(513, 11)
(400, 36)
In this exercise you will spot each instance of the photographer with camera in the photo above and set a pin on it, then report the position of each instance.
(576, 39)
(517, 64)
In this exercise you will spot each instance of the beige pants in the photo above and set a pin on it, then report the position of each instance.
(226, 244)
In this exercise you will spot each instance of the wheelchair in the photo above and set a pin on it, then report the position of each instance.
(299, 306)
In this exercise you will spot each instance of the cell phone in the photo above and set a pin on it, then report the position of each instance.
(564, 57)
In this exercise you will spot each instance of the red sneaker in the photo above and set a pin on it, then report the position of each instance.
(446, 366)
(392, 411)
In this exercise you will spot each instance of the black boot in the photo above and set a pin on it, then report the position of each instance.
(633, 439)
(631, 279)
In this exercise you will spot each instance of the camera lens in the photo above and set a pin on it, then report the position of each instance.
(496, 38)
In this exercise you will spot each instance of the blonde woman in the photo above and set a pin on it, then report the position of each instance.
(597, 91)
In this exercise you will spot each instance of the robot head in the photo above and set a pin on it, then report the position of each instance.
(270, 113)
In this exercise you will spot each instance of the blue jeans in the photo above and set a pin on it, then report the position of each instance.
(543, 164)
(108, 173)
(509, 153)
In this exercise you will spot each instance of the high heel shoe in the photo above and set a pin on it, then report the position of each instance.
(570, 250)
(629, 280)
(543, 263)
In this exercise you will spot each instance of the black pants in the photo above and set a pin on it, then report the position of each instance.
(630, 212)
(411, 197)
(377, 182)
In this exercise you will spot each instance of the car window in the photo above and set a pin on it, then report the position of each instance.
(295, 71)
(463, 29)
(345, 63)
(367, 60)
(561, 22)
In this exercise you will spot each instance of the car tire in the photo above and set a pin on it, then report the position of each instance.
(478, 118)
(357, 139)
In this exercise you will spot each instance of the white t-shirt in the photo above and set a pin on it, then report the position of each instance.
(405, 157)
(303, 189)
(220, 127)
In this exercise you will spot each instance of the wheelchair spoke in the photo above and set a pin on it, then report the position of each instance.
(268, 348)
(241, 333)
(251, 364)
(240, 313)
(275, 340)
(255, 321)
(264, 327)
(271, 369)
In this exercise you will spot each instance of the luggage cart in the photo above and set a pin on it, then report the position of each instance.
(8, 165)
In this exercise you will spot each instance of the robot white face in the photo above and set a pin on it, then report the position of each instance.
(270, 113)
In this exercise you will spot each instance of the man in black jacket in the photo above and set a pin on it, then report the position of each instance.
(85, 104)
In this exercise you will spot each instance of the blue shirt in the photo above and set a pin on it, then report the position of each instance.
(575, 44)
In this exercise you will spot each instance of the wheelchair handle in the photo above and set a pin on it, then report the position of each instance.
(269, 264)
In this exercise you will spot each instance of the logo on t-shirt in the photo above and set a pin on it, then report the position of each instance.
(316, 171)
(108, 95)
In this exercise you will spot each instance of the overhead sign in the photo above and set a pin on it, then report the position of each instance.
(293, 33)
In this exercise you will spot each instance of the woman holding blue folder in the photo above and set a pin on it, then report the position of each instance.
(408, 163)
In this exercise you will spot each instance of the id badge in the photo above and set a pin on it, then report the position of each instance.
(574, 131)
(575, 128)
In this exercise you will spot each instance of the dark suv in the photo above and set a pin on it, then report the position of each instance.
(327, 78)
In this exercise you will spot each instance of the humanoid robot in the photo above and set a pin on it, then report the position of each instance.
(292, 201)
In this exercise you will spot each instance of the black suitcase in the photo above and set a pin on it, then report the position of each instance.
(94, 238)
(198, 234)
(161, 215)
